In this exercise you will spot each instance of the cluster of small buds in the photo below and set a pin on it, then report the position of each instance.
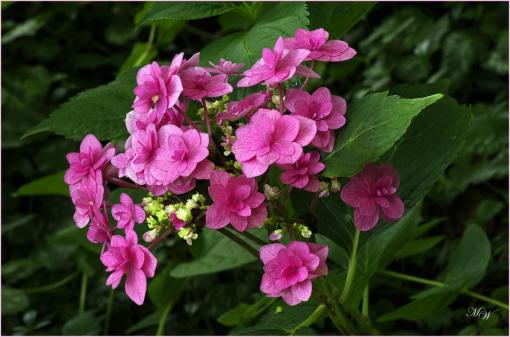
(303, 230)
(215, 107)
(188, 234)
(228, 139)
(234, 167)
(328, 187)
(275, 99)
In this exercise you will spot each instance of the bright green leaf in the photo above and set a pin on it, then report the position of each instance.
(50, 185)
(186, 10)
(374, 124)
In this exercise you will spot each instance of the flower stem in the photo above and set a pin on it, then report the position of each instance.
(351, 269)
(240, 242)
(108, 314)
(150, 42)
(253, 238)
(314, 316)
(280, 94)
(160, 238)
(186, 117)
(162, 320)
(52, 285)
(364, 304)
(433, 283)
(303, 87)
(125, 184)
(83, 293)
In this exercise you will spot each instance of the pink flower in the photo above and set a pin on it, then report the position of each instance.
(99, 231)
(87, 196)
(198, 83)
(316, 42)
(126, 256)
(137, 121)
(275, 66)
(180, 153)
(325, 109)
(178, 223)
(271, 138)
(244, 107)
(91, 159)
(235, 201)
(225, 67)
(371, 191)
(158, 87)
(139, 156)
(302, 174)
(288, 270)
(127, 213)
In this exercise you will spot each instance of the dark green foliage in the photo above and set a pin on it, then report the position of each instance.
(440, 71)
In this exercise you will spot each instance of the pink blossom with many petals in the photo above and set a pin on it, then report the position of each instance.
(126, 256)
(91, 159)
(373, 191)
(288, 270)
(316, 42)
(235, 201)
(180, 153)
(99, 231)
(303, 173)
(244, 107)
(136, 121)
(127, 213)
(198, 83)
(225, 67)
(87, 196)
(158, 87)
(271, 138)
(275, 66)
(328, 112)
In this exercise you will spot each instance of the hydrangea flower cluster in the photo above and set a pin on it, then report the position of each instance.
(275, 127)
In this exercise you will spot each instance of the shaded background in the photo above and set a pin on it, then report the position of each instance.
(53, 51)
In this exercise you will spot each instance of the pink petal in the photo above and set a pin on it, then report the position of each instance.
(307, 130)
(365, 222)
(269, 252)
(253, 168)
(136, 285)
(395, 210)
(115, 278)
(216, 217)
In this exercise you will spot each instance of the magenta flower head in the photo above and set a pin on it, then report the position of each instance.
(271, 138)
(126, 256)
(87, 197)
(244, 107)
(302, 174)
(288, 270)
(127, 213)
(316, 42)
(275, 66)
(198, 83)
(371, 191)
(225, 67)
(179, 154)
(328, 112)
(235, 201)
(99, 231)
(158, 87)
(91, 159)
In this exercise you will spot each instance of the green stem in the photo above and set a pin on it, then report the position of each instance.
(314, 316)
(240, 242)
(108, 314)
(433, 283)
(83, 293)
(52, 285)
(351, 269)
(142, 57)
(364, 304)
(162, 320)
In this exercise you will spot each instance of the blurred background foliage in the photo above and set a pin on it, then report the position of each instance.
(52, 280)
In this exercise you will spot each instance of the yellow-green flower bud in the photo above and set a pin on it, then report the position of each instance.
(151, 222)
(169, 209)
(184, 214)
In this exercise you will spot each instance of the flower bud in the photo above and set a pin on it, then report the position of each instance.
(270, 192)
(323, 189)
(335, 186)
(184, 214)
(149, 236)
(276, 235)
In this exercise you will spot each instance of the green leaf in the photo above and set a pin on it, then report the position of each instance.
(223, 254)
(73, 236)
(100, 111)
(273, 20)
(164, 288)
(186, 10)
(142, 53)
(374, 124)
(259, 330)
(146, 322)
(337, 18)
(85, 324)
(50, 185)
(244, 313)
(14, 301)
